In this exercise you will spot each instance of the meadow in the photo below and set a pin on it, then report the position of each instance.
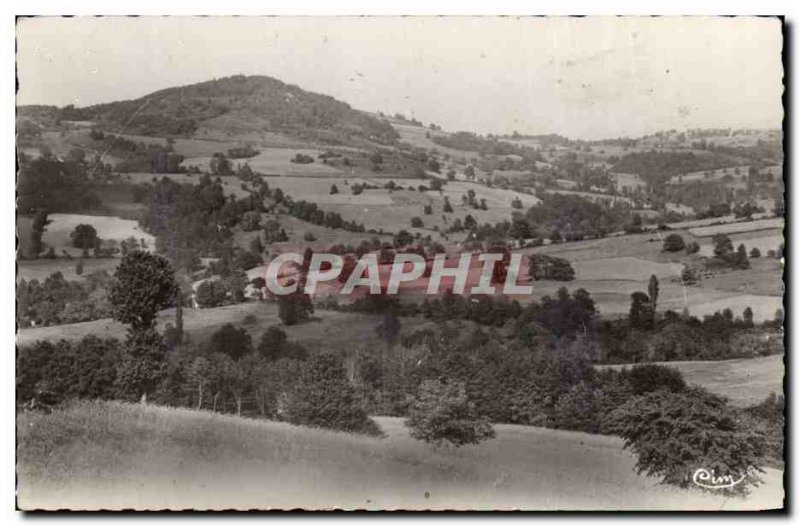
(143, 456)
(108, 228)
(742, 226)
(744, 382)
(275, 161)
(327, 330)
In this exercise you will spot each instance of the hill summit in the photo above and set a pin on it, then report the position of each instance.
(238, 103)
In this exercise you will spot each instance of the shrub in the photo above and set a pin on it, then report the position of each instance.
(416, 222)
(541, 266)
(442, 413)
(692, 248)
(674, 243)
(211, 293)
(274, 346)
(651, 377)
(300, 158)
(308, 236)
(84, 236)
(689, 276)
(675, 435)
(755, 252)
(231, 341)
(323, 397)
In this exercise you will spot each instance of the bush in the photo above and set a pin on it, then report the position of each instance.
(301, 158)
(651, 377)
(231, 341)
(674, 243)
(84, 236)
(675, 435)
(541, 266)
(323, 397)
(211, 293)
(692, 248)
(441, 413)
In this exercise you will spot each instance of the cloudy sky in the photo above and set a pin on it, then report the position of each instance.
(585, 78)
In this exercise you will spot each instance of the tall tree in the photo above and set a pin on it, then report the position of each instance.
(652, 290)
(143, 284)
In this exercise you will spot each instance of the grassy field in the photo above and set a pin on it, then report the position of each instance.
(327, 331)
(275, 161)
(393, 210)
(40, 269)
(744, 382)
(114, 456)
(743, 226)
(57, 232)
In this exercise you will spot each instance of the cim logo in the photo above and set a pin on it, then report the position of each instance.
(703, 478)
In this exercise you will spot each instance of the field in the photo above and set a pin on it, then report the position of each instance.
(40, 269)
(135, 456)
(745, 382)
(763, 240)
(327, 331)
(275, 161)
(392, 210)
(57, 233)
(743, 226)
(632, 181)
(612, 268)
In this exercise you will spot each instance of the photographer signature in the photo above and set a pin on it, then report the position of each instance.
(702, 477)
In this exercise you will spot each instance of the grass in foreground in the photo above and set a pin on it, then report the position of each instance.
(108, 455)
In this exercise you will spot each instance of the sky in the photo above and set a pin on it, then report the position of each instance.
(586, 78)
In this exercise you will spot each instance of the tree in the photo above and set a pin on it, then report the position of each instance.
(641, 315)
(142, 365)
(723, 246)
(403, 238)
(675, 435)
(674, 243)
(323, 397)
(198, 376)
(251, 221)
(447, 207)
(441, 413)
(230, 341)
(416, 222)
(334, 189)
(542, 266)
(38, 226)
(739, 260)
(211, 293)
(256, 246)
(516, 203)
(294, 308)
(755, 253)
(692, 248)
(143, 284)
(84, 236)
(389, 328)
(747, 316)
(652, 289)
(220, 165)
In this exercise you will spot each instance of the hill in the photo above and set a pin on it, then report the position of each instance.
(134, 456)
(241, 103)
